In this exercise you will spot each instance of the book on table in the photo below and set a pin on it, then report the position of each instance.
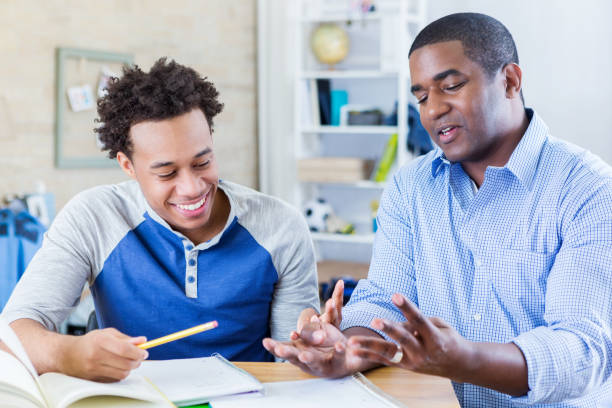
(154, 384)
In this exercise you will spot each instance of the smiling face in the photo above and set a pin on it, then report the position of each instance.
(464, 111)
(174, 164)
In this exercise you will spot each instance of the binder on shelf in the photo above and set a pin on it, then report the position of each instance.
(387, 159)
(339, 98)
(334, 169)
(324, 92)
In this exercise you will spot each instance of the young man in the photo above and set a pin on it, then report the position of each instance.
(503, 233)
(174, 248)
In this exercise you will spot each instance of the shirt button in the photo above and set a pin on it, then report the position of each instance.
(189, 247)
(192, 262)
(477, 262)
(477, 317)
(190, 279)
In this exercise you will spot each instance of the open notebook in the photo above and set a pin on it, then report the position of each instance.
(185, 382)
(351, 391)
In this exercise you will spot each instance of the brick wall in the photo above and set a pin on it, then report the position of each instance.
(216, 37)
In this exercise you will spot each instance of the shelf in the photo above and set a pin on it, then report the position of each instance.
(340, 18)
(366, 130)
(363, 184)
(348, 74)
(356, 18)
(349, 239)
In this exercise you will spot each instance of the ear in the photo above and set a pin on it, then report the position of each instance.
(126, 164)
(513, 79)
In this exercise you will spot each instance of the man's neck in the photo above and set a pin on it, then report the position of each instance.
(501, 153)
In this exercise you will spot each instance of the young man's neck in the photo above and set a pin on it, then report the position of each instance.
(218, 218)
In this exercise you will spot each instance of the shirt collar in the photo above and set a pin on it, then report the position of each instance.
(525, 157)
(438, 160)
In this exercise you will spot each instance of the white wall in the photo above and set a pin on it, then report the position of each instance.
(565, 50)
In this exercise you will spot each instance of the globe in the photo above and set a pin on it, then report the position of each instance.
(329, 43)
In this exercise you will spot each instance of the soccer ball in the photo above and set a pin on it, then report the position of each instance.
(317, 212)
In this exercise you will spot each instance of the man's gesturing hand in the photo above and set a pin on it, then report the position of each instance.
(427, 345)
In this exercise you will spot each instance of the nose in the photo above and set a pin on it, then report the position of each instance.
(436, 106)
(189, 185)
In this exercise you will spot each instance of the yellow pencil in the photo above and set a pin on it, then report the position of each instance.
(179, 335)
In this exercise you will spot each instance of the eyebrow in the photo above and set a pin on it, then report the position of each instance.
(437, 77)
(158, 165)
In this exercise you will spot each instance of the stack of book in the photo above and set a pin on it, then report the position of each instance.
(334, 169)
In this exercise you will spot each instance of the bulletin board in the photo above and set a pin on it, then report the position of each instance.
(81, 76)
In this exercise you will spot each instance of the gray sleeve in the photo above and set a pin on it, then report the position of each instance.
(71, 255)
(297, 287)
(283, 232)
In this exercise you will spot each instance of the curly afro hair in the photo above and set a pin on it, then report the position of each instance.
(166, 91)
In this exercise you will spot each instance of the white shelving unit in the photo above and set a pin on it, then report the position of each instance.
(375, 73)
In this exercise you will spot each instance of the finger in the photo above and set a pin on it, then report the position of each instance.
(439, 323)
(119, 361)
(123, 348)
(285, 351)
(137, 340)
(305, 317)
(374, 356)
(313, 335)
(422, 324)
(404, 336)
(270, 345)
(333, 307)
(372, 344)
(124, 337)
(319, 361)
(106, 373)
(338, 297)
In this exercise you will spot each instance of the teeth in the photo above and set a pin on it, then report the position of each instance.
(194, 206)
(446, 130)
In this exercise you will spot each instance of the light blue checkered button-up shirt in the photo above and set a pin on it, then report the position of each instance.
(526, 259)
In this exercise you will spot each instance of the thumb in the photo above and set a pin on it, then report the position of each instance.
(305, 318)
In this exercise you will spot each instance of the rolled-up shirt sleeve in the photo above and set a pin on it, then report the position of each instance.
(391, 268)
(571, 354)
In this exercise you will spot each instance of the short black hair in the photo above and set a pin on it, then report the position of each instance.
(166, 91)
(485, 40)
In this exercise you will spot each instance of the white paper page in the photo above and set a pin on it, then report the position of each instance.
(27, 377)
(191, 380)
(62, 390)
(8, 336)
(9, 400)
(116, 402)
(320, 393)
(16, 379)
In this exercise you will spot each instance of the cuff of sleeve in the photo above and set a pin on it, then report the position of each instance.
(545, 352)
(361, 315)
(12, 315)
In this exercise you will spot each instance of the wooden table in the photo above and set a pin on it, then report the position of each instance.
(414, 390)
